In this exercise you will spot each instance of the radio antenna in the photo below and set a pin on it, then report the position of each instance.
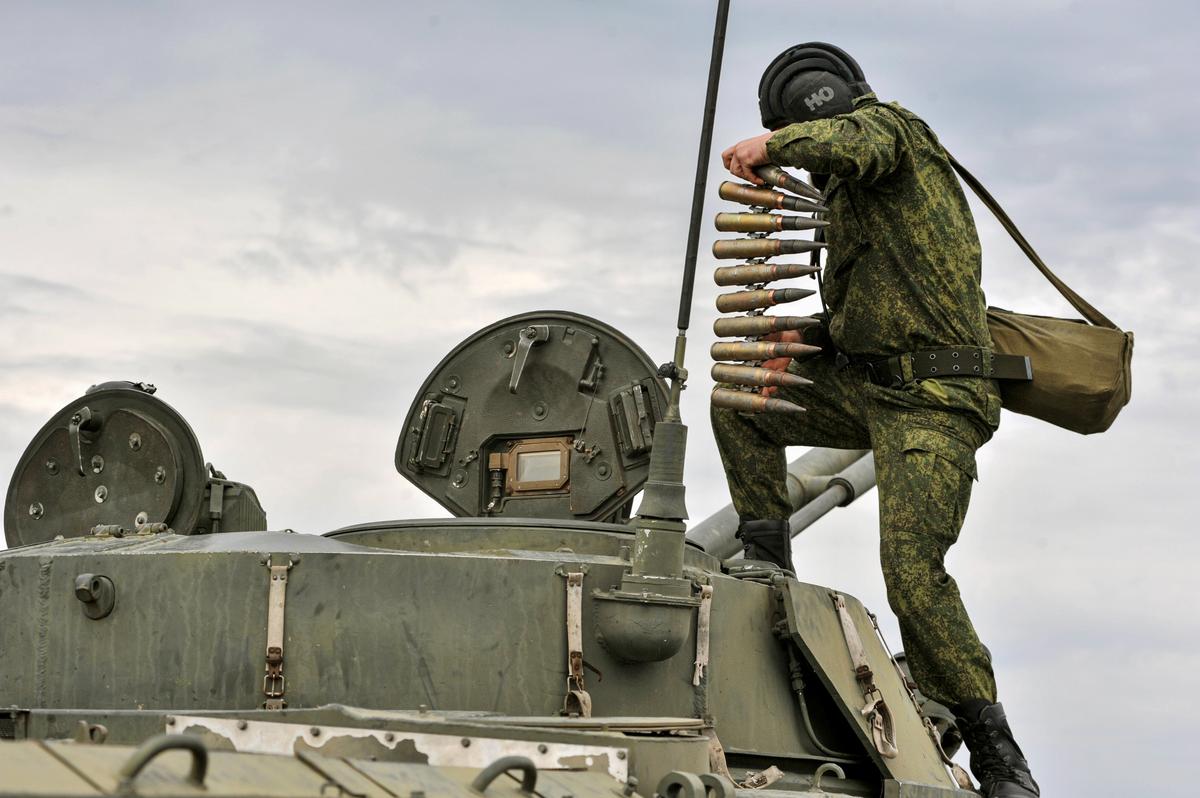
(663, 496)
(675, 370)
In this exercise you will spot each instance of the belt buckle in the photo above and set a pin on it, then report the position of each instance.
(885, 379)
(882, 378)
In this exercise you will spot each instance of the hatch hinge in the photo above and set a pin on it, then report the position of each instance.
(273, 681)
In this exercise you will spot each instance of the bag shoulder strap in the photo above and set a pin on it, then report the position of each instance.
(1079, 303)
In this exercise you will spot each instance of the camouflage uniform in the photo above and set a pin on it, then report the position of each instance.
(902, 275)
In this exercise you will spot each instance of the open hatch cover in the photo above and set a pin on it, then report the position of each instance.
(547, 414)
(115, 456)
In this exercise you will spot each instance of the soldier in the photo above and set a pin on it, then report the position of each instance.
(902, 281)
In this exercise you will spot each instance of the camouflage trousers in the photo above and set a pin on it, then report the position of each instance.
(924, 437)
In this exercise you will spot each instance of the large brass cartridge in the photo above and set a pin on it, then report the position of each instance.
(750, 273)
(762, 298)
(746, 326)
(764, 222)
(728, 248)
(748, 402)
(766, 198)
(759, 350)
(777, 177)
(756, 376)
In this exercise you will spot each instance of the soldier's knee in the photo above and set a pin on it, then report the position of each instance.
(726, 423)
(913, 574)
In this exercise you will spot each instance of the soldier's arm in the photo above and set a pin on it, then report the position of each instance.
(858, 146)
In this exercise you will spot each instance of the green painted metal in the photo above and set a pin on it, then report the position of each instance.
(66, 769)
(551, 383)
(452, 630)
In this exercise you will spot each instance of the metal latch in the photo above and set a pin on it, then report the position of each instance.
(82, 422)
(531, 335)
(436, 430)
(273, 682)
(633, 414)
(577, 701)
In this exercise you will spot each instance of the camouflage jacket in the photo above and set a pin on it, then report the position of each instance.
(903, 264)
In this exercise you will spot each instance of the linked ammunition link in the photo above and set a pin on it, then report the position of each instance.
(747, 351)
(749, 402)
(752, 273)
(756, 326)
(762, 247)
(766, 198)
(744, 384)
(765, 222)
(777, 177)
(757, 300)
(757, 376)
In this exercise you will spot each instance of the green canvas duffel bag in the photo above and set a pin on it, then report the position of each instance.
(1081, 367)
(1081, 377)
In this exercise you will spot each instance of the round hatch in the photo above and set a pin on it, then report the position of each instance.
(115, 456)
(547, 414)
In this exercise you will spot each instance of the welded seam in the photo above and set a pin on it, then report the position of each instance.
(45, 565)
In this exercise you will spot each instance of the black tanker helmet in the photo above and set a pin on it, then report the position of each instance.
(809, 81)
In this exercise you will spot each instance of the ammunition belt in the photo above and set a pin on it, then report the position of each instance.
(952, 361)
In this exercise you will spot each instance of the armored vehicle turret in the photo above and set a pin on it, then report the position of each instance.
(542, 621)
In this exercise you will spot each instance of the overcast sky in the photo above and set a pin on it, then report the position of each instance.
(284, 215)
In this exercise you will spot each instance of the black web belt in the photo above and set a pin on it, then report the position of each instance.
(952, 361)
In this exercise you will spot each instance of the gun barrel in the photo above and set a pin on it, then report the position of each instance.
(759, 350)
(757, 376)
(750, 273)
(766, 198)
(763, 298)
(764, 222)
(817, 481)
(777, 177)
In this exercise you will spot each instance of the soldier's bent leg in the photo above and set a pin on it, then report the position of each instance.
(924, 466)
(752, 446)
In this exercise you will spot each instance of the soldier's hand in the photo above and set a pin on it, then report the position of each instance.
(780, 363)
(741, 158)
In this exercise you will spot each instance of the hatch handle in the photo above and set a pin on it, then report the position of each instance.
(148, 750)
(526, 340)
(503, 765)
(83, 420)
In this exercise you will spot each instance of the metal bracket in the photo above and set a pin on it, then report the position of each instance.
(273, 682)
(703, 623)
(874, 709)
(577, 701)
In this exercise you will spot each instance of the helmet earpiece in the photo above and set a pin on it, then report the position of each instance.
(809, 81)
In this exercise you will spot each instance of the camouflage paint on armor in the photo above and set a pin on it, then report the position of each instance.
(924, 462)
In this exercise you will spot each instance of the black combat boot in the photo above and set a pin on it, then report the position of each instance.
(767, 540)
(996, 759)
